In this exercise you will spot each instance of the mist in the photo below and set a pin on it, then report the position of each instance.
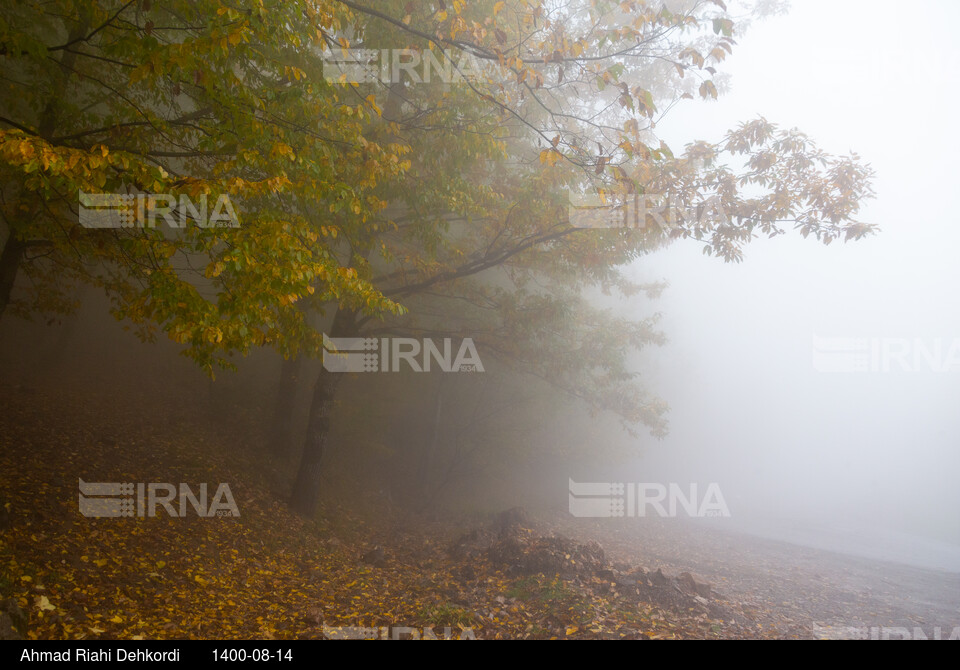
(445, 394)
(847, 460)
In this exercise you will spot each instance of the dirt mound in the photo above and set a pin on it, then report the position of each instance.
(520, 551)
(527, 555)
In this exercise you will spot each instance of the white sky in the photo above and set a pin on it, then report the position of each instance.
(872, 451)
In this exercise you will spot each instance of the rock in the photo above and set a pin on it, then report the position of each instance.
(686, 582)
(694, 586)
(507, 552)
(659, 579)
(375, 557)
(7, 629)
(548, 555)
(473, 544)
(13, 621)
(510, 521)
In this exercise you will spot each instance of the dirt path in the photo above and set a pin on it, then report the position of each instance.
(787, 586)
(272, 575)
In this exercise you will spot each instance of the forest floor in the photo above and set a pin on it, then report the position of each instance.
(787, 586)
(269, 574)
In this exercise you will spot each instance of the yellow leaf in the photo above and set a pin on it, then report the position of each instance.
(549, 156)
(116, 619)
(44, 604)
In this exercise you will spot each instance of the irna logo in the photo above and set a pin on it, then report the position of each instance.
(119, 499)
(393, 354)
(144, 210)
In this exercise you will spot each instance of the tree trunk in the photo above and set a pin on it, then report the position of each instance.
(306, 489)
(281, 434)
(430, 446)
(9, 265)
(13, 250)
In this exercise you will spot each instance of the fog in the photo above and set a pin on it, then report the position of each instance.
(856, 461)
(802, 403)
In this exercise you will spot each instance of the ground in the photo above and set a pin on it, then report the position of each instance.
(270, 574)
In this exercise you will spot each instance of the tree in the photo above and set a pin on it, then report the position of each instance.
(187, 99)
(393, 205)
(479, 254)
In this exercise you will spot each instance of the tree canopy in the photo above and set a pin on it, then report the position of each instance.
(401, 204)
